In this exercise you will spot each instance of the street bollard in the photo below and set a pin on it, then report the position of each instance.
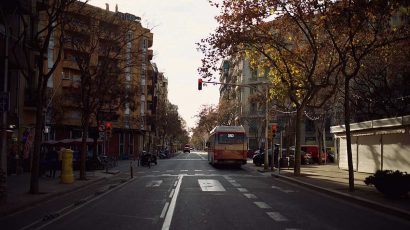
(67, 175)
(131, 170)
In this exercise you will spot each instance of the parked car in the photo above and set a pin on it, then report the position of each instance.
(187, 149)
(305, 157)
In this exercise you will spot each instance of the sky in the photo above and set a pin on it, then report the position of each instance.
(177, 25)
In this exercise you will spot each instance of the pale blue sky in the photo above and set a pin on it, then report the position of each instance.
(177, 26)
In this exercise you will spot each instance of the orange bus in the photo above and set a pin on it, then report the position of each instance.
(227, 145)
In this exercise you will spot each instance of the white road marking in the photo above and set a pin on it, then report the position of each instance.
(262, 204)
(211, 170)
(172, 193)
(249, 195)
(184, 170)
(200, 156)
(164, 210)
(236, 184)
(282, 190)
(232, 181)
(170, 213)
(243, 190)
(210, 185)
(198, 170)
(154, 183)
(276, 216)
(175, 184)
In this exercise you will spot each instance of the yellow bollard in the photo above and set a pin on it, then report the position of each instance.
(67, 175)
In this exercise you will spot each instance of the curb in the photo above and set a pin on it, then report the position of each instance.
(371, 204)
(49, 196)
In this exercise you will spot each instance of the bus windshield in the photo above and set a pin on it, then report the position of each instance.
(231, 138)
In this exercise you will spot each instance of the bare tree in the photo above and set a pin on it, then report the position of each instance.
(107, 62)
(39, 31)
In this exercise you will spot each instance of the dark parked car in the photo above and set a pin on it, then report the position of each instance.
(306, 158)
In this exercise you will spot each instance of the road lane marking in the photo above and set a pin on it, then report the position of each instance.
(175, 184)
(200, 156)
(262, 205)
(282, 190)
(164, 210)
(184, 170)
(210, 185)
(154, 183)
(236, 184)
(172, 193)
(276, 216)
(198, 170)
(170, 213)
(232, 181)
(249, 195)
(243, 190)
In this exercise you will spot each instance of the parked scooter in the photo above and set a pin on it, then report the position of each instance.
(147, 159)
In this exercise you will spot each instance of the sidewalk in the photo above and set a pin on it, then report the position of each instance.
(18, 186)
(334, 181)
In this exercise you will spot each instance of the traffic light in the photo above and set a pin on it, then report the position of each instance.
(199, 84)
(273, 129)
(108, 128)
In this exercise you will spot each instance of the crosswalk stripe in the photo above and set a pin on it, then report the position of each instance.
(262, 205)
(243, 190)
(276, 216)
(249, 195)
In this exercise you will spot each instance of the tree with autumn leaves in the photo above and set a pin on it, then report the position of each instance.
(308, 49)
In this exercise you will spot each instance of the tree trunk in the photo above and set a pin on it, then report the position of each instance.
(84, 151)
(348, 136)
(34, 182)
(297, 144)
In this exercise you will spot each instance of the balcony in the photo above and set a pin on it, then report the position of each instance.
(150, 54)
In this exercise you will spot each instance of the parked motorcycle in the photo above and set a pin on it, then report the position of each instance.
(147, 159)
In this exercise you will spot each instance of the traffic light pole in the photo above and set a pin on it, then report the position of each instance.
(266, 155)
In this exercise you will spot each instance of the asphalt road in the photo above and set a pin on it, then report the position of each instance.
(186, 192)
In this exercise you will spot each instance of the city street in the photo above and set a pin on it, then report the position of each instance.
(185, 192)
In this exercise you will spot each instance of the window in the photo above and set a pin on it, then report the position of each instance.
(121, 137)
(131, 144)
(231, 138)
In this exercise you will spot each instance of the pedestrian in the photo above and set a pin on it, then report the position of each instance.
(53, 162)
(60, 159)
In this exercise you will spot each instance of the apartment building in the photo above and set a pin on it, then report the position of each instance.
(251, 110)
(251, 113)
(124, 53)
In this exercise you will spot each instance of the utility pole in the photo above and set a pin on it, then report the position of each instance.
(5, 99)
(266, 155)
